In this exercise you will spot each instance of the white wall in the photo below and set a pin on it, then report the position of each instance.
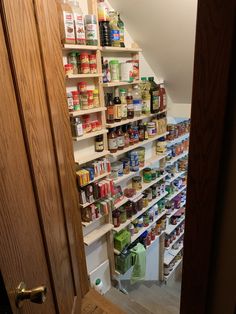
(165, 29)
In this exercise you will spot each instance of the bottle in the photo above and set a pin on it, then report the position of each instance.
(131, 135)
(76, 127)
(66, 22)
(123, 104)
(130, 105)
(137, 101)
(110, 109)
(112, 141)
(115, 32)
(145, 131)
(163, 98)
(120, 138)
(91, 30)
(98, 286)
(99, 145)
(117, 103)
(78, 22)
(105, 31)
(155, 93)
(121, 26)
(103, 11)
(126, 135)
(146, 97)
(141, 132)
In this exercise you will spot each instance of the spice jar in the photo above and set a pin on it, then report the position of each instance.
(85, 69)
(72, 59)
(137, 183)
(84, 58)
(99, 145)
(70, 102)
(76, 102)
(93, 68)
(147, 175)
(82, 86)
(92, 59)
(116, 218)
(95, 98)
(68, 69)
(90, 99)
(84, 100)
(76, 127)
(114, 67)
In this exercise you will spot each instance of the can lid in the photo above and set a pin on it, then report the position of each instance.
(114, 62)
(72, 54)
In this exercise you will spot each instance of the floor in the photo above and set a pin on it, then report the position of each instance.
(149, 297)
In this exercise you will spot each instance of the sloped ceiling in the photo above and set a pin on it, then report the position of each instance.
(165, 29)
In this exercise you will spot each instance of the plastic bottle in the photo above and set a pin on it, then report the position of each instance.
(121, 26)
(66, 22)
(78, 22)
(98, 286)
(163, 98)
(146, 97)
(123, 103)
(126, 135)
(137, 101)
(110, 109)
(155, 93)
(112, 141)
(130, 105)
(118, 107)
(115, 31)
(103, 11)
(91, 30)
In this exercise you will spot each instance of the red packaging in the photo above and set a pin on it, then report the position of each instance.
(85, 69)
(82, 86)
(93, 68)
(68, 69)
(84, 57)
(92, 59)
(93, 126)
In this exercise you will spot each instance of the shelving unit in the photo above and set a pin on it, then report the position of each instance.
(79, 47)
(176, 176)
(171, 228)
(175, 159)
(173, 270)
(82, 76)
(97, 234)
(113, 84)
(87, 158)
(88, 111)
(176, 240)
(121, 49)
(171, 254)
(178, 140)
(89, 135)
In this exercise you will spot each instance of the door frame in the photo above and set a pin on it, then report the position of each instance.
(210, 106)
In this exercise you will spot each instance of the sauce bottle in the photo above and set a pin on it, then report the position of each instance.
(163, 98)
(155, 93)
(118, 107)
(121, 26)
(120, 138)
(66, 22)
(110, 109)
(115, 31)
(99, 145)
(130, 105)
(131, 135)
(123, 103)
(112, 141)
(126, 136)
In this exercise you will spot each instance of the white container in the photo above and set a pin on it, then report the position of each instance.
(98, 286)
(126, 72)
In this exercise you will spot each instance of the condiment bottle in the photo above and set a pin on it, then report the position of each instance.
(124, 108)
(118, 107)
(91, 30)
(110, 109)
(78, 22)
(122, 31)
(120, 138)
(112, 141)
(130, 105)
(155, 93)
(99, 145)
(126, 136)
(145, 131)
(116, 218)
(76, 127)
(131, 135)
(115, 31)
(163, 98)
(141, 132)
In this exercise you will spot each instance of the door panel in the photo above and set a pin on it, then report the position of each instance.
(20, 233)
(24, 48)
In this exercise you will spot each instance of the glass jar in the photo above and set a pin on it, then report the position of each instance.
(84, 100)
(137, 183)
(147, 175)
(151, 128)
(116, 218)
(70, 102)
(148, 192)
(76, 101)
(95, 98)
(123, 215)
(82, 86)
(91, 30)
(72, 59)
(129, 209)
(114, 68)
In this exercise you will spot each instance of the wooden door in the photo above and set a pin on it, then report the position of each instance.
(41, 235)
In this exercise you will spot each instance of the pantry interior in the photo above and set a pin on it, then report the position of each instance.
(130, 141)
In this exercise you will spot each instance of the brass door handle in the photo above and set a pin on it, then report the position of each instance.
(36, 295)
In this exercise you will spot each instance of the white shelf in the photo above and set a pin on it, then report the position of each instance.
(84, 159)
(139, 213)
(88, 111)
(123, 122)
(178, 139)
(97, 234)
(176, 210)
(148, 163)
(89, 135)
(154, 241)
(113, 84)
(121, 49)
(176, 176)
(139, 144)
(173, 270)
(82, 76)
(171, 254)
(169, 198)
(87, 224)
(174, 159)
(170, 228)
(80, 47)
(96, 178)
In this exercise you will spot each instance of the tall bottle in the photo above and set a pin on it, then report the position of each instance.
(146, 97)
(163, 97)
(137, 101)
(104, 27)
(130, 105)
(115, 31)
(112, 141)
(121, 26)
(118, 107)
(66, 22)
(110, 109)
(78, 22)
(155, 93)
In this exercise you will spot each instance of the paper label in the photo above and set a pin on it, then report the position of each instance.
(69, 26)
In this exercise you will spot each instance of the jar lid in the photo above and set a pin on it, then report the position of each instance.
(122, 90)
(138, 179)
(72, 54)
(84, 54)
(82, 83)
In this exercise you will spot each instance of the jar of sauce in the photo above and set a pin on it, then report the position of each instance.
(130, 105)
(116, 218)
(120, 138)
(112, 141)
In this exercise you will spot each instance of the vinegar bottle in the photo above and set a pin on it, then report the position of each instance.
(155, 93)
